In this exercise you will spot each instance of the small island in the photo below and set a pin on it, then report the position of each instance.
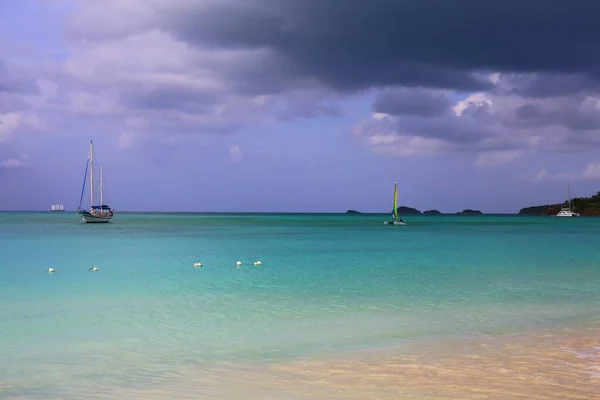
(470, 212)
(585, 206)
(407, 210)
(353, 212)
(432, 212)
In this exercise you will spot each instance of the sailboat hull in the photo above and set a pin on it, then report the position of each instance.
(89, 218)
(394, 223)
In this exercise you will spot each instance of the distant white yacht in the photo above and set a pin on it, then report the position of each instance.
(566, 211)
(57, 207)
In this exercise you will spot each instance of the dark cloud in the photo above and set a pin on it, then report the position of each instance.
(263, 73)
(455, 130)
(403, 101)
(544, 85)
(161, 98)
(354, 44)
(577, 114)
(528, 112)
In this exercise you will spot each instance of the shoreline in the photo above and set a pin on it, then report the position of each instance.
(558, 364)
(562, 363)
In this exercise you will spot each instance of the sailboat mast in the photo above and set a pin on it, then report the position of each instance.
(101, 187)
(569, 193)
(91, 174)
(395, 211)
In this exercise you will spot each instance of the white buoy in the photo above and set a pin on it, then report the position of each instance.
(238, 263)
(257, 263)
(197, 264)
(50, 269)
(93, 269)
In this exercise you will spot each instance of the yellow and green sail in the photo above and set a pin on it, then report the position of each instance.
(395, 209)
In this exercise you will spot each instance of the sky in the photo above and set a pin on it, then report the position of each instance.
(300, 105)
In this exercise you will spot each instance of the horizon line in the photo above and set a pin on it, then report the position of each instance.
(264, 212)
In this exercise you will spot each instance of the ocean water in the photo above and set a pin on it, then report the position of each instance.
(329, 285)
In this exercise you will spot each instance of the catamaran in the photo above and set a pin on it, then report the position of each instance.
(566, 211)
(395, 218)
(99, 213)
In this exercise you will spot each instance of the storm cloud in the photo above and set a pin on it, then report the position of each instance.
(496, 75)
(403, 101)
(353, 44)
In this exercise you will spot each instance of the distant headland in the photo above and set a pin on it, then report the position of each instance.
(585, 206)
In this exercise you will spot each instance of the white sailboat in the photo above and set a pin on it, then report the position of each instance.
(395, 218)
(566, 211)
(100, 213)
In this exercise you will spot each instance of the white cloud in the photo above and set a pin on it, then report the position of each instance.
(13, 121)
(47, 89)
(146, 56)
(592, 171)
(494, 78)
(564, 177)
(11, 163)
(235, 153)
(540, 176)
(497, 158)
(101, 103)
(128, 139)
(474, 100)
(379, 139)
(136, 122)
(380, 116)
(9, 122)
(405, 146)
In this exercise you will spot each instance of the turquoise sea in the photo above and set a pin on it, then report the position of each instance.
(328, 285)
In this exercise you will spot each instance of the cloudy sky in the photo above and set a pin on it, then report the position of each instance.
(300, 105)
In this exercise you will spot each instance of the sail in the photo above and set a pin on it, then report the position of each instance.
(395, 209)
(84, 179)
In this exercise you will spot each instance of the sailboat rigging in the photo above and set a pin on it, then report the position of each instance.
(96, 213)
(395, 218)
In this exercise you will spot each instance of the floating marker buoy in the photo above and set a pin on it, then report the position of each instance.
(238, 263)
(93, 269)
(50, 269)
(257, 263)
(197, 264)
